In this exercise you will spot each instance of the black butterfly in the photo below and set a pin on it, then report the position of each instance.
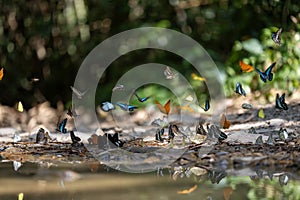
(267, 75)
(239, 89)
(141, 99)
(276, 36)
(158, 134)
(126, 107)
(200, 129)
(207, 105)
(61, 126)
(280, 102)
(115, 139)
(171, 133)
(74, 138)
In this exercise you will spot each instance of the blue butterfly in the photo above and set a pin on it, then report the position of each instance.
(107, 106)
(61, 126)
(141, 99)
(126, 107)
(207, 105)
(280, 102)
(239, 89)
(267, 75)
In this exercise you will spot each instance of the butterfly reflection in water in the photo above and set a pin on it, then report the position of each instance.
(61, 126)
(280, 102)
(126, 107)
(266, 75)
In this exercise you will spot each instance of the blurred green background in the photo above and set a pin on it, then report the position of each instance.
(48, 40)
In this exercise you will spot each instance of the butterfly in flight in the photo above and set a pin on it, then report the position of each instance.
(280, 102)
(164, 109)
(276, 36)
(107, 106)
(126, 107)
(266, 75)
(78, 93)
(141, 99)
(206, 106)
(239, 89)
(61, 126)
(169, 74)
(118, 87)
(74, 138)
(245, 67)
(197, 78)
(1, 73)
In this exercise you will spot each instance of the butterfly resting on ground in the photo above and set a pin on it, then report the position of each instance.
(280, 102)
(61, 126)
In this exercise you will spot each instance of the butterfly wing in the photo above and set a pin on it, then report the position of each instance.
(107, 106)
(224, 122)
(239, 89)
(141, 99)
(245, 67)
(269, 73)
(131, 108)
(280, 102)
(276, 36)
(262, 75)
(62, 125)
(164, 109)
(1, 73)
(207, 105)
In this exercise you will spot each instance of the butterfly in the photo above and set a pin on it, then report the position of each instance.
(161, 122)
(118, 87)
(40, 136)
(168, 73)
(200, 130)
(71, 112)
(158, 134)
(172, 128)
(280, 102)
(197, 78)
(17, 138)
(126, 107)
(61, 126)
(245, 67)
(239, 89)
(74, 138)
(215, 132)
(115, 139)
(20, 107)
(188, 191)
(141, 99)
(107, 106)
(207, 105)
(77, 92)
(164, 109)
(1, 73)
(267, 75)
(224, 122)
(276, 36)
(259, 140)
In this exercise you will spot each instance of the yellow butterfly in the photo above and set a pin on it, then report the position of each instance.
(197, 78)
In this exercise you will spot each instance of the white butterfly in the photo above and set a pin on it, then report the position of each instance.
(78, 93)
(169, 74)
(17, 165)
(107, 106)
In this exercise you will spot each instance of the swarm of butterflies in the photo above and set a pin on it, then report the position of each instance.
(265, 76)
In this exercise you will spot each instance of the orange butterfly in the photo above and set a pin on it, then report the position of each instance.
(188, 191)
(1, 73)
(245, 67)
(224, 122)
(164, 109)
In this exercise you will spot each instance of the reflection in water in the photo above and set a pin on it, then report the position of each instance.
(76, 181)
